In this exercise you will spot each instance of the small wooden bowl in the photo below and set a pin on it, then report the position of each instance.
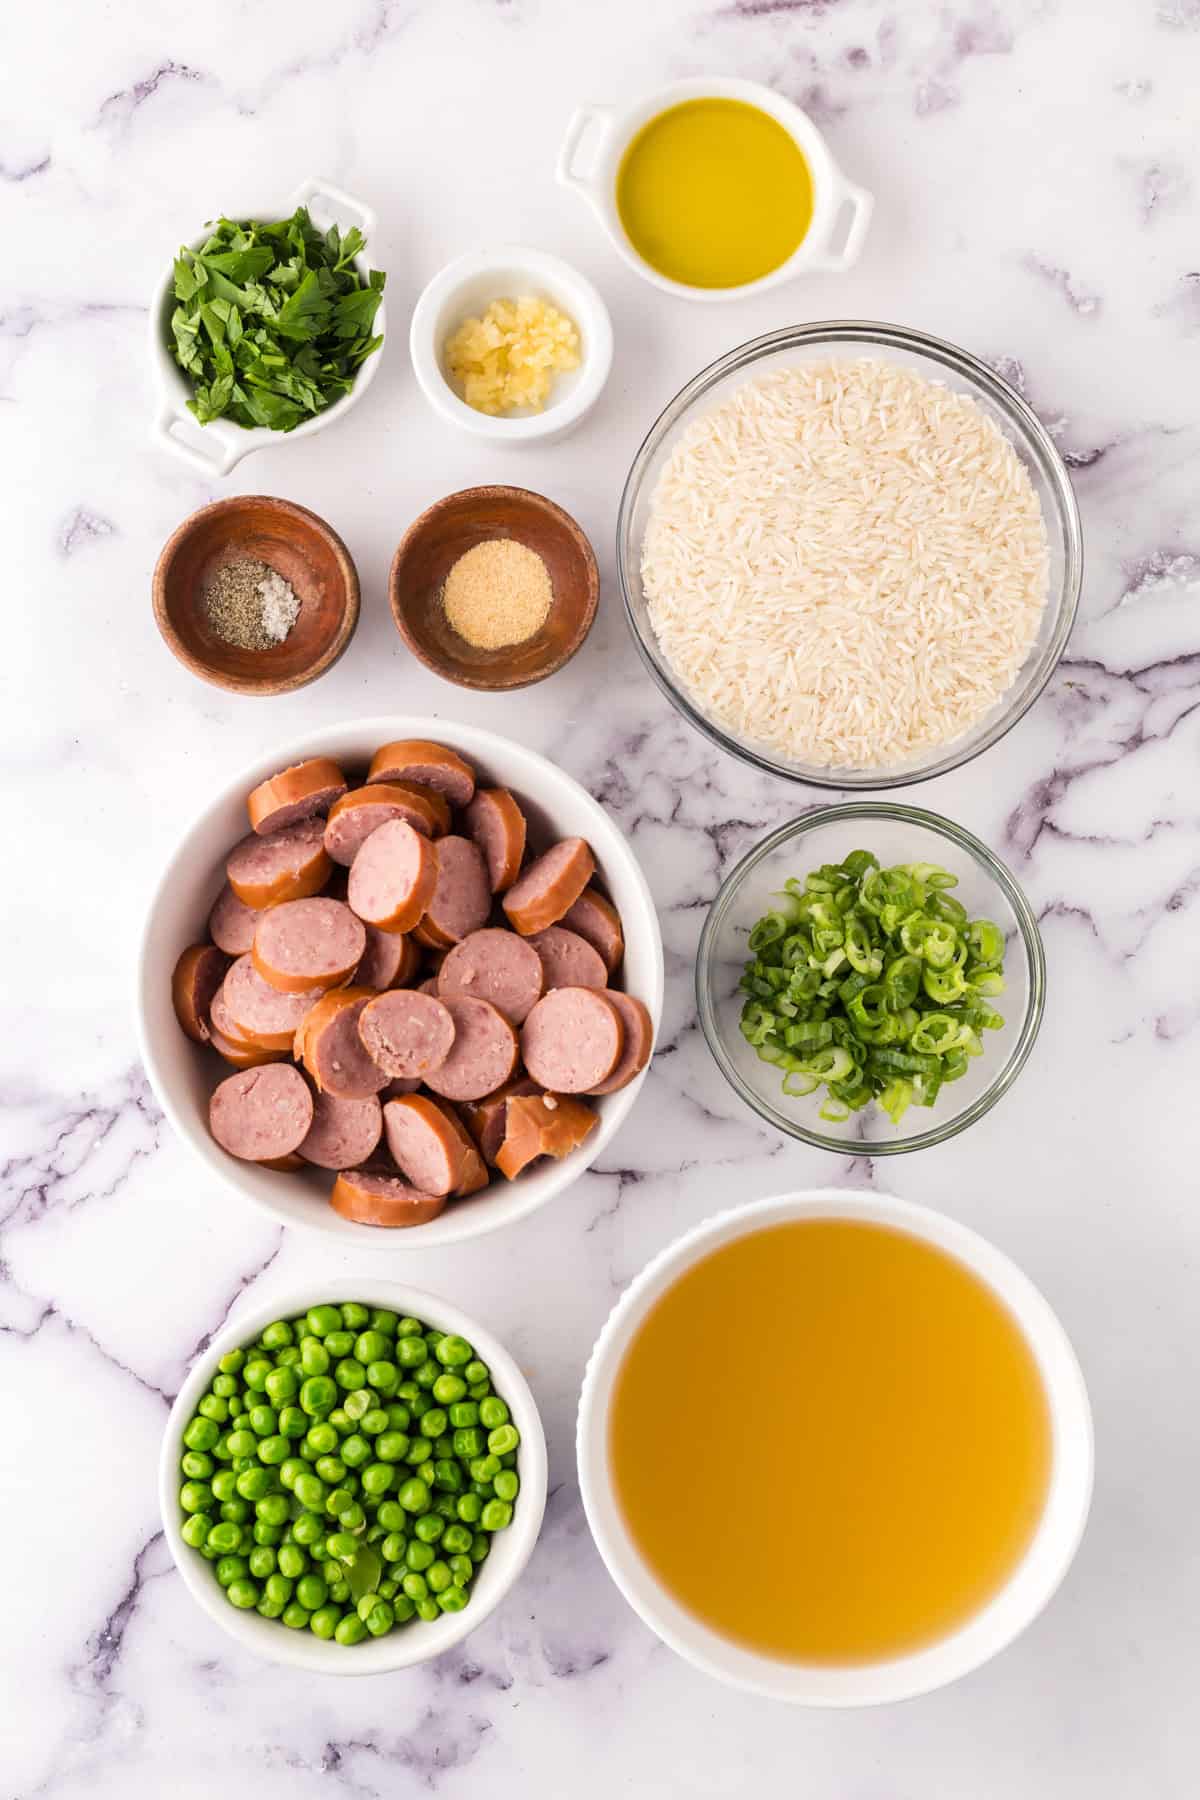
(444, 532)
(309, 555)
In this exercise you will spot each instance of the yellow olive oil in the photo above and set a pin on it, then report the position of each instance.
(714, 193)
(830, 1442)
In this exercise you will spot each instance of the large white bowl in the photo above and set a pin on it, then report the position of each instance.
(1005, 1616)
(413, 1643)
(183, 1075)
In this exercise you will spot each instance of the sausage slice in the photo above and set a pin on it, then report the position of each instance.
(261, 1114)
(308, 944)
(484, 1054)
(639, 1041)
(472, 1170)
(598, 920)
(462, 898)
(567, 959)
(296, 793)
(288, 865)
(241, 1055)
(424, 1144)
(497, 825)
(329, 1046)
(542, 1125)
(572, 1040)
(495, 965)
(372, 1199)
(231, 923)
(417, 760)
(197, 979)
(485, 1119)
(343, 1133)
(390, 960)
(357, 814)
(550, 886)
(406, 1032)
(258, 1011)
(393, 877)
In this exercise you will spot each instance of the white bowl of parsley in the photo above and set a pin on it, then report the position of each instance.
(267, 326)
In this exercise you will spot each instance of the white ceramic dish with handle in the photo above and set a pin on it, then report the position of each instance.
(184, 1074)
(419, 1641)
(217, 448)
(1028, 1588)
(598, 136)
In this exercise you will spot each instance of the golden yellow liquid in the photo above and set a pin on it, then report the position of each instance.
(830, 1442)
(714, 193)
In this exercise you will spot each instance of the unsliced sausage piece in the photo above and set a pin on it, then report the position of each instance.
(639, 1041)
(328, 1044)
(572, 1040)
(424, 1144)
(495, 965)
(373, 1199)
(343, 1132)
(296, 793)
(462, 898)
(393, 877)
(197, 978)
(407, 1032)
(428, 765)
(356, 815)
(288, 865)
(258, 1011)
(390, 960)
(550, 886)
(231, 923)
(308, 944)
(261, 1114)
(568, 959)
(484, 1053)
(497, 825)
(542, 1125)
(485, 1118)
(472, 1170)
(598, 920)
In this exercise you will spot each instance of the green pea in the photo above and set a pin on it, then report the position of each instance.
(278, 1588)
(429, 1527)
(196, 1465)
(231, 1568)
(414, 1584)
(357, 1403)
(220, 1449)
(443, 1447)
(343, 1545)
(426, 1375)
(195, 1529)
(411, 1352)
(349, 1375)
(355, 1316)
(433, 1336)
(308, 1529)
(354, 1518)
(484, 1489)
(296, 1617)
(237, 1407)
(476, 1372)
(225, 1538)
(253, 1484)
(507, 1485)
(419, 1451)
(493, 1412)
(310, 1491)
(468, 1441)
(464, 1413)
(231, 1362)
(324, 1621)
(377, 1478)
(273, 1509)
(393, 1546)
(276, 1335)
(380, 1618)
(414, 1495)
(242, 1443)
(414, 1399)
(484, 1468)
(350, 1629)
(196, 1496)
(282, 1385)
(469, 1508)
(314, 1357)
(479, 1390)
(410, 1327)
(224, 1485)
(293, 1423)
(273, 1450)
(243, 1594)
(502, 1441)
(292, 1560)
(449, 1389)
(211, 1407)
(480, 1546)
(383, 1376)
(263, 1420)
(206, 1553)
(370, 1345)
(387, 1589)
(434, 1422)
(392, 1446)
(254, 1375)
(236, 1511)
(318, 1394)
(392, 1516)
(341, 1421)
(201, 1434)
(374, 1422)
(337, 1502)
(439, 1577)
(311, 1592)
(456, 1539)
(418, 1555)
(267, 1534)
(262, 1561)
(462, 1569)
(330, 1468)
(269, 1609)
(355, 1451)
(448, 1475)
(339, 1591)
(452, 1599)
(452, 1351)
(321, 1439)
(224, 1387)
(289, 1468)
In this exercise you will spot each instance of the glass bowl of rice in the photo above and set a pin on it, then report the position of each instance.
(894, 834)
(850, 554)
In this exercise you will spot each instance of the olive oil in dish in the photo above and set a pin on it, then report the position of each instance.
(830, 1442)
(714, 193)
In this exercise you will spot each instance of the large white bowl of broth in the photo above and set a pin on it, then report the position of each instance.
(835, 1448)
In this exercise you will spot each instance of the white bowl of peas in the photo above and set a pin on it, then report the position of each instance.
(310, 1512)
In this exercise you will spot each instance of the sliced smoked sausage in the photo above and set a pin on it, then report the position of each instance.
(424, 1144)
(261, 1114)
(495, 965)
(231, 923)
(462, 898)
(328, 1044)
(550, 886)
(542, 1125)
(567, 959)
(598, 920)
(572, 1040)
(483, 1056)
(343, 1133)
(639, 1041)
(242, 1055)
(373, 1199)
(390, 960)
(393, 877)
(304, 944)
(197, 979)
(296, 793)
(258, 1011)
(425, 764)
(485, 1118)
(406, 1032)
(288, 865)
(356, 815)
(496, 823)
(472, 1170)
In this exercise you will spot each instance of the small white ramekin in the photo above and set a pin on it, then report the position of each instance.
(1005, 1616)
(464, 289)
(217, 448)
(511, 1549)
(826, 245)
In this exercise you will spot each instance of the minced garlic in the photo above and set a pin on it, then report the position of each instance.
(509, 358)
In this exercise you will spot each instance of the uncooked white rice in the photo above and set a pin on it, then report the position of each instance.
(845, 562)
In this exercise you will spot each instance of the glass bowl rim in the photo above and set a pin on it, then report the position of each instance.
(879, 335)
(1027, 925)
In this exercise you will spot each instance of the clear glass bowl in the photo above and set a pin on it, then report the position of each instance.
(895, 834)
(935, 360)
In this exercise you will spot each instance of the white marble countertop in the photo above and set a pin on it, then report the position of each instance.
(1036, 172)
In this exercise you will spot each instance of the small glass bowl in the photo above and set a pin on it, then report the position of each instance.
(895, 834)
(937, 361)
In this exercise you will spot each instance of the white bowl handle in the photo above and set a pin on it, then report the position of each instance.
(209, 454)
(318, 189)
(862, 205)
(583, 117)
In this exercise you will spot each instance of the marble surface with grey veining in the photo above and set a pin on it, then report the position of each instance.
(1035, 164)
